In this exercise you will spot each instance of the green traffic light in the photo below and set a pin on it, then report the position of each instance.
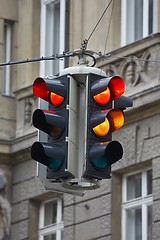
(50, 155)
(103, 155)
(54, 164)
(101, 162)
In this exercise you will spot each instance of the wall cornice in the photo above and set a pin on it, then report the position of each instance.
(17, 150)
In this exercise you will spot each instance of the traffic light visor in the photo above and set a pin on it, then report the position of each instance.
(105, 154)
(41, 90)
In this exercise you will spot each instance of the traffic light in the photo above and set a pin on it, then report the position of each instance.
(54, 122)
(102, 119)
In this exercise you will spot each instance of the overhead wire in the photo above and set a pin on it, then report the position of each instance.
(73, 54)
(107, 36)
(99, 20)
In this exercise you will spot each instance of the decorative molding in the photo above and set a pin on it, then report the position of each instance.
(129, 69)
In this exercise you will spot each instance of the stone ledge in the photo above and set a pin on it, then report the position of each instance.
(16, 150)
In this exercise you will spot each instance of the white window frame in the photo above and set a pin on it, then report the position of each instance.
(145, 20)
(7, 57)
(43, 33)
(52, 228)
(144, 201)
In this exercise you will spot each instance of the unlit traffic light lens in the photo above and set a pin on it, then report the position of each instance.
(50, 122)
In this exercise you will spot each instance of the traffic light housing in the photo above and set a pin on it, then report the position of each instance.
(102, 119)
(54, 122)
(85, 108)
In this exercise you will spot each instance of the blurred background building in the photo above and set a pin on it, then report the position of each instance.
(127, 207)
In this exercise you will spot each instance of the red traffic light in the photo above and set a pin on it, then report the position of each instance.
(116, 86)
(107, 89)
(42, 90)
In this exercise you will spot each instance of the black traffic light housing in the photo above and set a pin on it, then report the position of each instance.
(103, 118)
(53, 122)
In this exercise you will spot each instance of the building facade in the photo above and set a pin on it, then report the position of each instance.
(126, 207)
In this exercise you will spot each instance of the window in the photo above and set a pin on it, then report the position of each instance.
(54, 33)
(51, 220)
(7, 57)
(138, 19)
(137, 206)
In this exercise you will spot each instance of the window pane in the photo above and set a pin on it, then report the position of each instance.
(50, 237)
(7, 57)
(134, 183)
(138, 224)
(134, 224)
(50, 213)
(62, 235)
(138, 16)
(149, 222)
(149, 182)
(52, 35)
(129, 21)
(150, 19)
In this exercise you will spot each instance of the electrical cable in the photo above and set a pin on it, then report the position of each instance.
(99, 21)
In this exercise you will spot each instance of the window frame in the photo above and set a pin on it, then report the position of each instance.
(7, 39)
(145, 26)
(57, 227)
(43, 44)
(144, 201)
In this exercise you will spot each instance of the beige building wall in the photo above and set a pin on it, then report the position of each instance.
(98, 214)
(84, 17)
(16, 131)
